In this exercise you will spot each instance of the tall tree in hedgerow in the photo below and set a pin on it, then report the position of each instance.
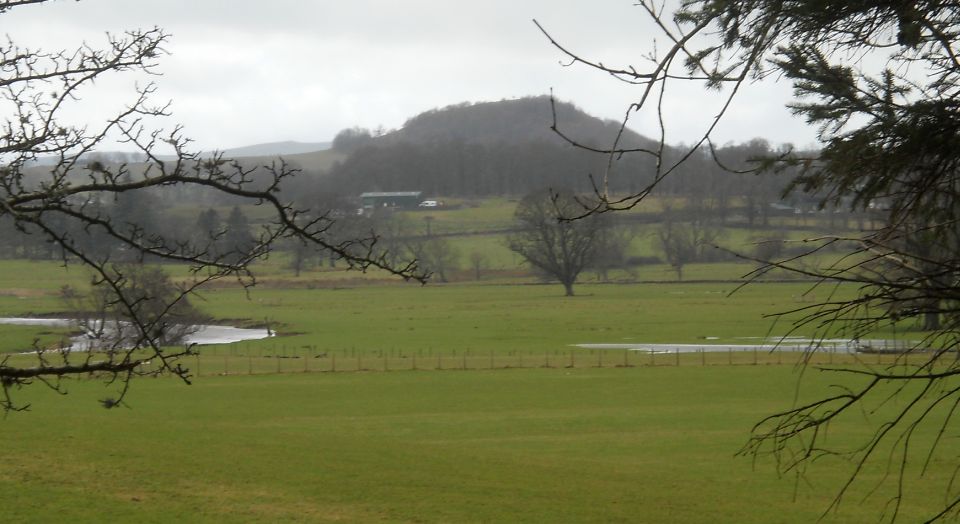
(557, 248)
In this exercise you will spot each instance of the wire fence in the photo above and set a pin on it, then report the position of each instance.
(241, 359)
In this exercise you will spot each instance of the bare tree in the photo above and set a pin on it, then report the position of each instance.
(684, 237)
(108, 327)
(613, 245)
(879, 80)
(679, 245)
(478, 260)
(434, 255)
(62, 199)
(300, 255)
(558, 248)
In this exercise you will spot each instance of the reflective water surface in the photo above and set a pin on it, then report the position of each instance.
(205, 334)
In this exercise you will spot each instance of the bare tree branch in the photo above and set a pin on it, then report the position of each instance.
(72, 200)
(890, 150)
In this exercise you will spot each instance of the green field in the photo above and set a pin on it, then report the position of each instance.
(512, 317)
(327, 314)
(460, 402)
(609, 445)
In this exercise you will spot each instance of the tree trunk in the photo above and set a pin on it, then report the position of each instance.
(931, 318)
(568, 287)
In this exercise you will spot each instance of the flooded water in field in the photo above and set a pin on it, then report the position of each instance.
(789, 344)
(205, 334)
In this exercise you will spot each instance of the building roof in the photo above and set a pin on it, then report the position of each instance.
(382, 194)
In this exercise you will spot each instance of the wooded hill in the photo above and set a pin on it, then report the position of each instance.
(504, 148)
(508, 148)
(517, 121)
(481, 149)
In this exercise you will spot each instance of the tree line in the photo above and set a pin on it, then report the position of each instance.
(140, 215)
(460, 168)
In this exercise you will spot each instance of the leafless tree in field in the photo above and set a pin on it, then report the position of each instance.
(559, 249)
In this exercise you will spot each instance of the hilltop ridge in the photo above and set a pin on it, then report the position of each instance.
(484, 148)
(527, 119)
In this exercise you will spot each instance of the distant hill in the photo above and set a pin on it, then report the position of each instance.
(512, 121)
(271, 149)
(276, 149)
(314, 162)
(486, 148)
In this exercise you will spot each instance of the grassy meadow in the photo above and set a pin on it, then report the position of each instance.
(459, 402)
(542, 445)
(334, 314)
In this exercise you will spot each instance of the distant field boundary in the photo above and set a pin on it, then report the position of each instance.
(240, 359)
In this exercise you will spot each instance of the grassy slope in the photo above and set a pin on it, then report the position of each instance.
(614, 445)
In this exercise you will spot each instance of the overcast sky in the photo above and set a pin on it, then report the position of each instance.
(244, 72)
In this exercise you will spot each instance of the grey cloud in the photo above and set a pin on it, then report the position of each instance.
(244, 71)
